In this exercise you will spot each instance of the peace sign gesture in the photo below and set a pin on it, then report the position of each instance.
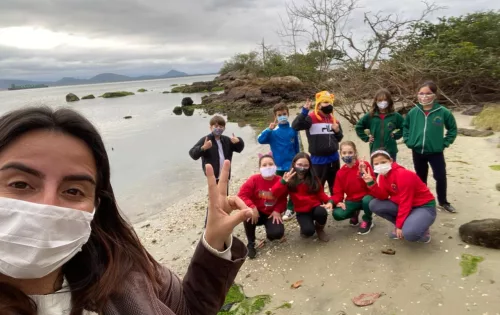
(362, 166)
(289, 175)
(308, 104)
(273, 124)
(220, 223)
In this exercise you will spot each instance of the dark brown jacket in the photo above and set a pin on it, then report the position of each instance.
(202, 292)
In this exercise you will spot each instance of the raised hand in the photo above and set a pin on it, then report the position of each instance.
(362, 166)
(336, 127)
(207, 144)
(235, 139)
(220, 223)
(277, 219)
(273, 125)
(289, 175)
(308, 104)
(367, 177)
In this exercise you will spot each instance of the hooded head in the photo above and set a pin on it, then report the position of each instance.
(323, 97)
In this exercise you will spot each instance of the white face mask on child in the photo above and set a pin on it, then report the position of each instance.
(268, 171)
(382, 169)
(39, 238)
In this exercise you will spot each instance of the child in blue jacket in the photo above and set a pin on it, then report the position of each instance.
(284, 142)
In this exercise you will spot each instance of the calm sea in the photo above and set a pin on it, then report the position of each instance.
(150, 164)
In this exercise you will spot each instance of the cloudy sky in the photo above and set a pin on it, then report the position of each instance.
(50, 39)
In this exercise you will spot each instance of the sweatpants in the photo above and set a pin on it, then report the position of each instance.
(415, 225)
(326, 173)
(436, 160)
(206, 214)
(289, 205)
(273, 231)
(352, 207)
(307, 220)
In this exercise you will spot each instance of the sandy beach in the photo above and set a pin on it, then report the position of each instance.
(418, 279)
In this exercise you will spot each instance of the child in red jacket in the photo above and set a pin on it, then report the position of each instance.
(350, 186)
(267, 210)
(308, 197)
(412, 207)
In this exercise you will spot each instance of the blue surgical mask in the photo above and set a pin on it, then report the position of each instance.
(282, 119)
(218, 131)
(348, 159)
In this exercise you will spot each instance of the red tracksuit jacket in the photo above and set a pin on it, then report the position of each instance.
(256, 193)
(303, 201)
(348, 183)
(404, 188)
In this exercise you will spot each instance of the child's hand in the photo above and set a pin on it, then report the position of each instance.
(272, 125)
(392, 135)
(308, 104)
(276, 217)
(371, 139)
(207, 145)
(328, 206)
(362, 166)
(341, 205)
(367, 177)
(399, 234)
(255, 216)
(288, 175)
(336, 127)
(235, 139)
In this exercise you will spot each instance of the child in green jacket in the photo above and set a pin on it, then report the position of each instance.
(385, 125)
(423, 133)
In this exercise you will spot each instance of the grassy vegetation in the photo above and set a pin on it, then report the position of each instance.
(469, 264)
(88, 97)
(116, 94)
(489, 118)
(177, 110)
(495, 167)
(142, 90)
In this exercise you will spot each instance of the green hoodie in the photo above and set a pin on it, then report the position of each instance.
(393, 123)
(425, 133)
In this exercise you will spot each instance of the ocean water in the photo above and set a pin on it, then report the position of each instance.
(150, 164)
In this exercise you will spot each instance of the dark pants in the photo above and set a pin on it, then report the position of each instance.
(421, 163)
(206, 214)
(352, 208)
(326, 173)
(415, 225)
(307, 220)
(289, 205)
(274, 231)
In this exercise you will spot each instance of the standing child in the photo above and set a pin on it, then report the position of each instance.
(284, 142)
(266, 209)
(350, 186)
(215, 148)
(385, 125)
(423, 133)
(309, 199)
(402, 198)
(324, 134)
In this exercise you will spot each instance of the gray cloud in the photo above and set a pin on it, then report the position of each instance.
(190, 35)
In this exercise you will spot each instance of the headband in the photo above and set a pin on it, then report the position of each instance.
(380, 152)
(268, 154)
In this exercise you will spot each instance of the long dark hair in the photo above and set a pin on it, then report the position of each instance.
(382, 93)
(310, 178)
(113, 249)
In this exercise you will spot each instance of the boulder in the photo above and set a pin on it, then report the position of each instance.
(116, 94)
(235, 83)
(474, 132)
(278, 85)
(237, 93)
(177, 110)
(271, 100)
(88, 97)
(127, 117)
(187, 101)
(71, 98)
(473, 110)
(497, 186)
(188, 110)
(253, 95)
(484, 233)
(212, 98)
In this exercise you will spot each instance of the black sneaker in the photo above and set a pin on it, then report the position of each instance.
(448, 207)
(354, 221)
(251, 251)
(365, 227)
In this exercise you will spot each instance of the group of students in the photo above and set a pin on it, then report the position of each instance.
(379, 186)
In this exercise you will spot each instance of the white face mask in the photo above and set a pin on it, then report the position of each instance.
(382, 169)
(383, 104)
(268, 171)
(37, 239)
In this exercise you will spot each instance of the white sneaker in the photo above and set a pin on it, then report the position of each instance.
(289, 214)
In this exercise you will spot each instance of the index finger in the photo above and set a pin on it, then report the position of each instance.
(223, 178)
(213, 195)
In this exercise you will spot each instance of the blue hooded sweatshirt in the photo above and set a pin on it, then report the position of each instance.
(284, 142)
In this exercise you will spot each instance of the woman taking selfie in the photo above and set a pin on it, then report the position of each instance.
(66, 249)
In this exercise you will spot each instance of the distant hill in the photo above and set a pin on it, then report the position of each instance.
(100, 78)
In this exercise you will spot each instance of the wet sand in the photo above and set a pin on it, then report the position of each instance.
(418, 279)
